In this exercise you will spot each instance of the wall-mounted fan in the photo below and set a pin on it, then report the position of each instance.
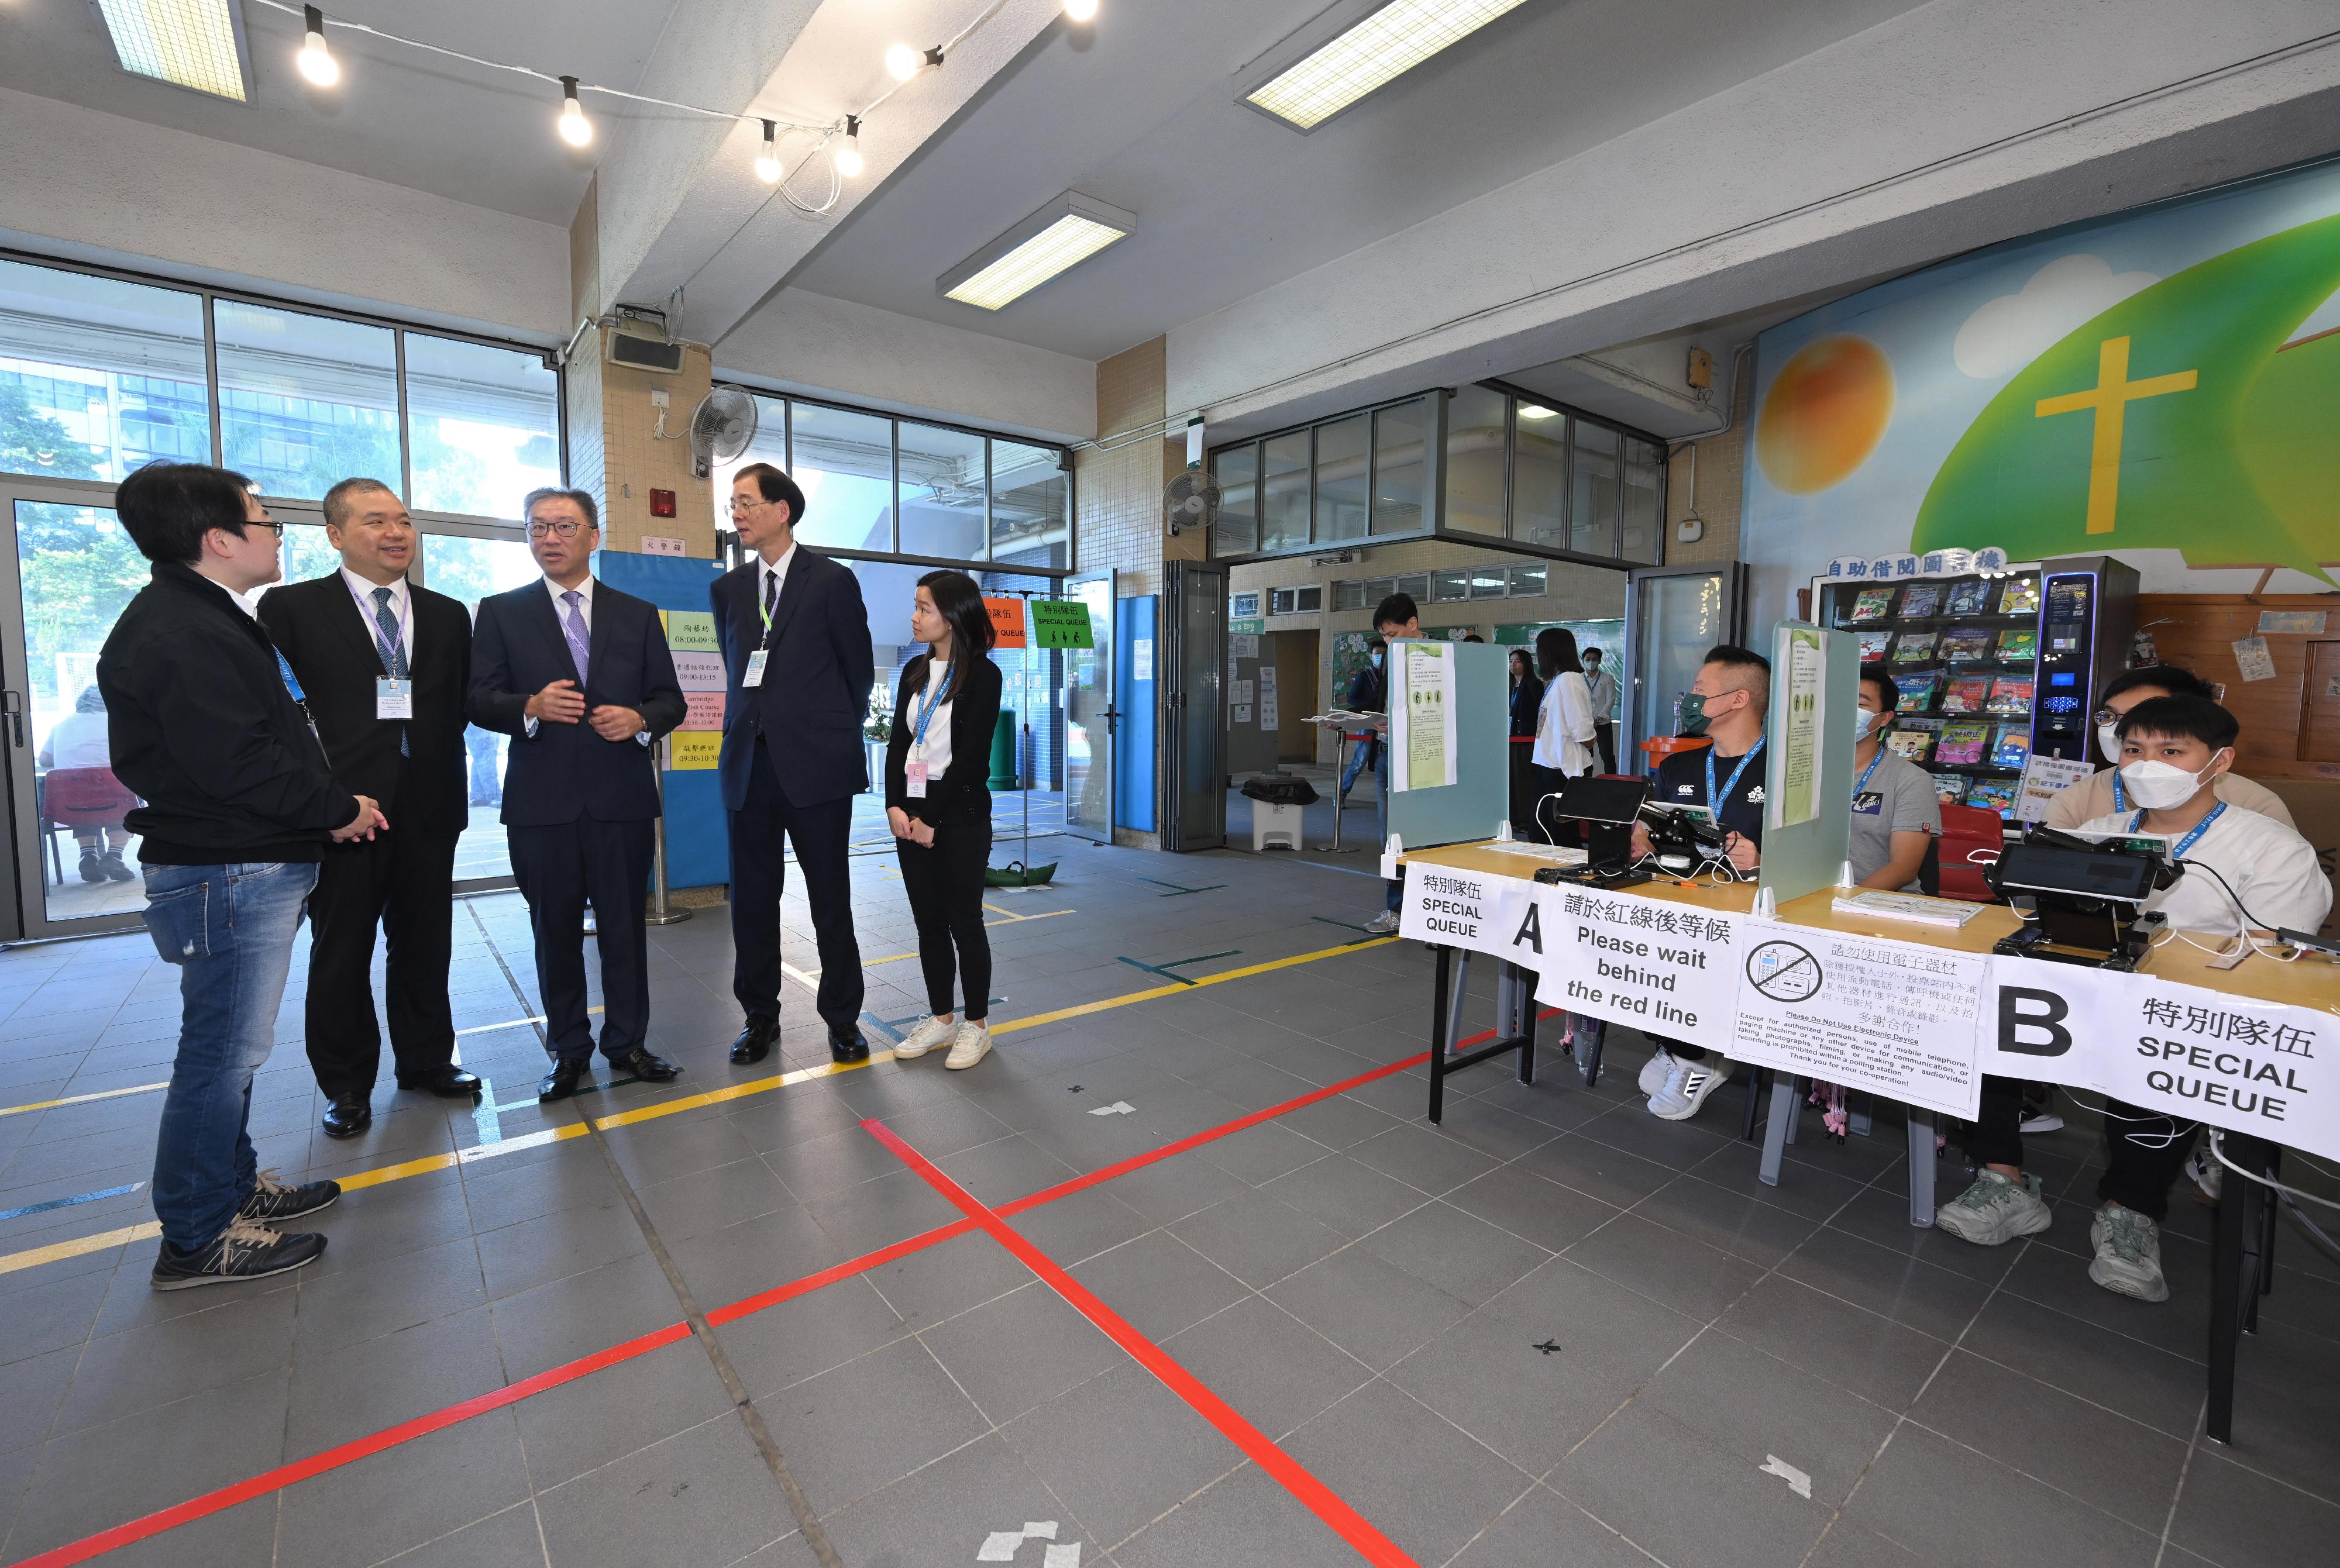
(720, 429)
(1190, 501)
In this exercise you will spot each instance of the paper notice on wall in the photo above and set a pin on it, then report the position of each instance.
(2254, 1066)
(1240, 692)
(660, 545)
(2332, 685)
(699, 672)
(1242, 713)
(1267, 714)
(692, 629)
(1896, 1019)
(1666, 969)
(1243, 646)
(2045, 778)
(1798, 800)
(1421, 716)
(2252, 657)
(693, 751)
(2310, 622)
(702, 710)
(1141, 658)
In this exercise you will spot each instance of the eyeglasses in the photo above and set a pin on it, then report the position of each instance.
(2104, 716)
(732, 508)
(567, 528)
(275, 524)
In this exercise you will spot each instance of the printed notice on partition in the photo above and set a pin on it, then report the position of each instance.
(2254, 1066)
(1422, 718)
(1798, 800)
(1896, 1019)
(1665, 968)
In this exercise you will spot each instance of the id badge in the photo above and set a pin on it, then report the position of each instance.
(755, 676)
(393, 699)
(916, 775)
(1869, 804)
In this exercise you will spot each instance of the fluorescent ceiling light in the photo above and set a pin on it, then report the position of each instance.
(1369, 56)
(1537, 411)
(194, 44)
(1061, 235)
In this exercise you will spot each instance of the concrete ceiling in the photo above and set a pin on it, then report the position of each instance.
(420, 120)
(1142, 112)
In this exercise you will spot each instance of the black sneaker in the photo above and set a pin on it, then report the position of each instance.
(242, 1251)
(273, 1201)
(93, 869)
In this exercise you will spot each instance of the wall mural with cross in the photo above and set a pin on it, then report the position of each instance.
(2163, 385)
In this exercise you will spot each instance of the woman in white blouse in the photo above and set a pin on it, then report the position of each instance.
(1564, 725)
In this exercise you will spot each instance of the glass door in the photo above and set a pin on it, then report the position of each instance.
(67, 570)
(1193, 652)
(1672, 615)
(1089, 714)
(468, 566)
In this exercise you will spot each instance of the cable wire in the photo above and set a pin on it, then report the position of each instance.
(2218, 1152)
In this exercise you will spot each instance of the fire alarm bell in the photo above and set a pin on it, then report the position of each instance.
(662, 503)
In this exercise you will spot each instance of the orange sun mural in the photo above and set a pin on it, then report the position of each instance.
(1824, 414)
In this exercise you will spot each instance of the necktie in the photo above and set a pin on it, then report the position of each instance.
(580, 641)
(771, 596)
(392, 646)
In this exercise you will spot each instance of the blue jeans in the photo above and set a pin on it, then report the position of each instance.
(229, 928)
(1358, 754)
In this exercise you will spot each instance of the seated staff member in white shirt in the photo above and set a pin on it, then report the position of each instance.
(1896, 812)
(1565, 730)
(938, 803)
(2102, 794)
(2174, 751)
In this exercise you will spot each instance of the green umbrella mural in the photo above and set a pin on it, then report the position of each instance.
(2193, 416)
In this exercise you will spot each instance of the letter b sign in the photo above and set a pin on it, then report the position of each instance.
(2038, 1014)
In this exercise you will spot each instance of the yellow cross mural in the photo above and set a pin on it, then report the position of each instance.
(2110, 398)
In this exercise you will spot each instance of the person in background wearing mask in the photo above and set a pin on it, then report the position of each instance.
(1527, 703)
(1604, 705)
(1396, 618)
(1368, 694)
(1896, 812)
(1565, 730)
(1727, 704)
(2103, 795)
(2175, 753)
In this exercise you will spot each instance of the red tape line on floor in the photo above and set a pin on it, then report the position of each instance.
(348, 1453)
(1294, 1478)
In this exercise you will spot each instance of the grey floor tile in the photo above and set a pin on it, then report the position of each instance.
(1422, 1158)
(1922, 1492)
(1246, 1518)
(1461, 1254)
(1734, 1516)
(752, 1257)
(939, 1282)
(1878, 1359)
(580, 1425)
(1370, 1307)
(1596, 1169)
(1338, 1122)
(1850, 1545)
(1425, 1485)
(711, 1199)
(1753, 1406)
(554, 1323)
(1080, 1225)
(46, 1314)
(2239, 1518)
(1006, 1168)
(2163, 1390)
(507, 1540)
(851, 1431)
(1261, 1152)
(348, 1391)
(1351, 1198)
(1160, 1284)
(399, 1499)
(881, 1212)
(385, 1296)
(158, 1362)
(1543, 1529)
(1666, 1265)
(831, 1162)
(1729, 1221)
(1258, 1239)
(944, 1513)
(1892, 1284)
(370, 1227)
(1020, 1351)
(1123, 1449)
(243, 1535)
(1172, 1189)
(2053, 1277)
(1275, 1372)
(31, 1391)
(704, 1497)
(809, 1334)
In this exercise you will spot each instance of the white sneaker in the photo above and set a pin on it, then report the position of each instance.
(2206, 1174)
(1383, 923)
(931, 1032)
(2038, 1118)
(971, 1045)
(1997, 1208)
(1687, 1086)
(2128, 1254)
(1653, 1075)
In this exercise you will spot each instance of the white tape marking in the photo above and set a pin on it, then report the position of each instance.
(1798, 1482)
(1119, 1107)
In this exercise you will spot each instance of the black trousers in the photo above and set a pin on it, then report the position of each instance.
(558, 868)
(758, 875)
(945, 884)
(1604, 738)
(2144, 1150)
(402, 881)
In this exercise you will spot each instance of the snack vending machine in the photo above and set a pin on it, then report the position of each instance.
(1991, 668)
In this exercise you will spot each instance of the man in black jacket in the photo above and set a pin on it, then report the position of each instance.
(578, 675)
(387, 667)
(206, 726)
(797, 655)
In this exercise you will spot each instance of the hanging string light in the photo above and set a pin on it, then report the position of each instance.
(575, 129)
(316, 62)
(846, 154)
(1081, 10)
(768, 162)
(902, 61)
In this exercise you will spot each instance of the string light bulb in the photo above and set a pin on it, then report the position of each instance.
(575, 129)
(768, 162)
(316, 62)
(902, 61)
(1081, 10)
(848, 156)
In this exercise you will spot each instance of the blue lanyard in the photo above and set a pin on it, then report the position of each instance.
(1714, 802)
(1866, 771)
(2137, 824)
(927, 706)
(2120, 795)
(292, 681)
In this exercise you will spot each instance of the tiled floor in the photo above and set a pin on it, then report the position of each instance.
(1552, 1331)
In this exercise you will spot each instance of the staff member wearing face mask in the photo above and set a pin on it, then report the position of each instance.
(2103, 795)
(1368, 694)
(1895, 809)
(2174, 753)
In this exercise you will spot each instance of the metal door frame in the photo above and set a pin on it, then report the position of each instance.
(1069, 587)
(1204, 582)
(1734, 574)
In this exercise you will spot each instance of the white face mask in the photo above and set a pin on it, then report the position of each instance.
(2160, 785)
(1869, 723)
(2108, 742)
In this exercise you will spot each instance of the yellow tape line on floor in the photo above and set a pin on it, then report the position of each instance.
(476, 1153)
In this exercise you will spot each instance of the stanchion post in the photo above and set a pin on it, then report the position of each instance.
(660, 912)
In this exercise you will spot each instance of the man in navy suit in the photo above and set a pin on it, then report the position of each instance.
(797, 662)
(578, 675)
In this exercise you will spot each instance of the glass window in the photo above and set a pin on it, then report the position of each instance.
(1243, 606)
(1539, 469)
(1349, 596)
(1491, 581)
(98, 376)
(844, 463)
(306, 400)
(1415, 587)
(1529, 579)
(1645, 489)
(1475, 460)
(483, 426)
(1283, 491)
(1400, 435)
(1237, 530)
(1448, 586)
(940, 491)
(1344, 482)
(1593, 508)
(1031, 496)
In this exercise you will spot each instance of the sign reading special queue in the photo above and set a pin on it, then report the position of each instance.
(2261, 1068)
(1668, 969)
(1498, 915)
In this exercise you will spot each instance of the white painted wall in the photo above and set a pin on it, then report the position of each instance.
(91, 186)
(818, 346)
